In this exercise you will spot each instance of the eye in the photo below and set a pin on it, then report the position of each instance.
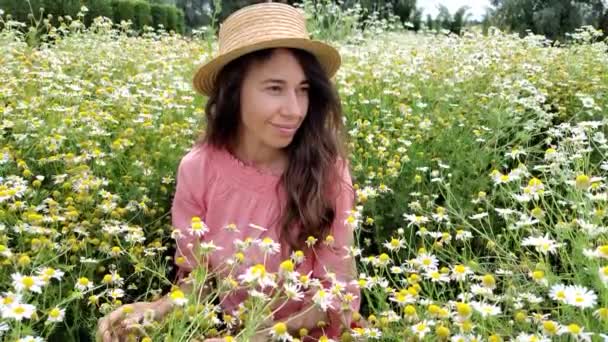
(274, 89)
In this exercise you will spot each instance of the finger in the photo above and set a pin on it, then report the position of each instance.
(107, 336)
(102, 325)
(136, 329)
(131, 320)
(115, 316)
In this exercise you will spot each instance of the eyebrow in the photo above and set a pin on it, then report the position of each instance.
(276, 80)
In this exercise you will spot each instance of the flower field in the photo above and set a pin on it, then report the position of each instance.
(479, 162)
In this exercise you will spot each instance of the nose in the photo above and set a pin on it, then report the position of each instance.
(292, 105)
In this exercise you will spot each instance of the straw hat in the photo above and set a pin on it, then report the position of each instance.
(261, 26)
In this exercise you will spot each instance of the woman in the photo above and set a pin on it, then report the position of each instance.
(271, 167)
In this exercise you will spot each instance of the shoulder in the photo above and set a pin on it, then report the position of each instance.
(196, 164)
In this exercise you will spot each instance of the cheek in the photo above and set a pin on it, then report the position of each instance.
(304, 103)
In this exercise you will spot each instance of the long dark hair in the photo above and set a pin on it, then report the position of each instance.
(313, 153)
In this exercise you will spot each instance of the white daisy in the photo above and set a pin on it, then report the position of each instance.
(485, 309)
(56, 315)
(395, 244)
(198, 227)
(415, 219)
(47, 273)
(267, 245)
(27, 283)
(323, 299)
(18, 311)
(427, 261)
(460, 272)
(9, 298)
(580, 296)
(422, 328)
(293, 292)
(542, 244)
(83, 284)
(279, 332)
(436, 276)
(207, 247)
(258, 274)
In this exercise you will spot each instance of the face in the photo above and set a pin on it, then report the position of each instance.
(274, 101)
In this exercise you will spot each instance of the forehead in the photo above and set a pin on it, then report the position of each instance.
(282, 64)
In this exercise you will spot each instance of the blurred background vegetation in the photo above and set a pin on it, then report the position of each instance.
(552, 18)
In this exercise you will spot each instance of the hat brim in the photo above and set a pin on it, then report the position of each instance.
(206, 74)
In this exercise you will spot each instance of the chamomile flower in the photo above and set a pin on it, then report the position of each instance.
(83, 284)
(207, 247)
(178, 297)
(198, 227)
(580, 296)
(323, 299)
(427, 261)
(577, 332)
(416, 220)
(18, 311)
(47, 273)
(422, 328)
(542, 244)
(558, 293)
(460, 272)
(485, 309)
(395, 244)
(298, 257)
(257, 274)
(267, 245)
(23, 283)
(293, 292)
(56, 315)
(435, 276)
(279, 332)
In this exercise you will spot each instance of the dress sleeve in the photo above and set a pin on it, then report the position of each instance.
(334, 266)
(186, 204)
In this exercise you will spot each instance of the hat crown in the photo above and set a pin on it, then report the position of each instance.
(261, 22)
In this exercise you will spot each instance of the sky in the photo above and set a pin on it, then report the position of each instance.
(477, 8)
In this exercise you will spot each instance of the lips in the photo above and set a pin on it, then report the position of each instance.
(285, 126)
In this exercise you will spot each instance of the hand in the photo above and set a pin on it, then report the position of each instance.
(115, 326)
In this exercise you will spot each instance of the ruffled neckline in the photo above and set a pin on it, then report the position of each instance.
(249, 166)
(241, 175)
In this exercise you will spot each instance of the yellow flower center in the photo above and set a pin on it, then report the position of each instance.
(258, 270)
(574, 328)
(28, 282)
(55, 313)
(287, 266)
(280, 328)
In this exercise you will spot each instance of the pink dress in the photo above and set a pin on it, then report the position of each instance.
(222, 190)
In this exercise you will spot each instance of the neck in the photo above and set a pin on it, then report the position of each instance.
(258, 154)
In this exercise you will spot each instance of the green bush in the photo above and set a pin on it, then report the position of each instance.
(97, 8)
(142, 14)
(124, 10)
(181, 21)
(159, 15)
(20, 9)
(171, 18)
